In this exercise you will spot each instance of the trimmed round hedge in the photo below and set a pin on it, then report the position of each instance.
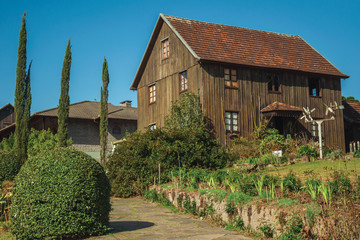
(9, 166)
(61, 194)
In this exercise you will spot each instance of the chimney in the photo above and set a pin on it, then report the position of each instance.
(125, 103)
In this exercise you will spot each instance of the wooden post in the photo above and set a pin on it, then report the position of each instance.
(358, 145)
(351, 147)
(319, 122)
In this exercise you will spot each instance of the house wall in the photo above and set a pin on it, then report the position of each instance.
(85, 132)
(165, 73)
(252, 95)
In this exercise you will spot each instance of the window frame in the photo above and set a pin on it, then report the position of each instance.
(152, 93)
(314, 83)
(165, 49)
(233, 83)
(152, 126)
(272, 78)
(183, 81)
(231, 130)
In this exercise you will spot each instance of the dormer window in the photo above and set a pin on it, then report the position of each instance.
(230, 77)
(273, 83)
(314, 87)
(165, 50)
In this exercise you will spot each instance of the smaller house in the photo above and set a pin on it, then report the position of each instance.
(7, 116)
(352, 125)
(83, 124)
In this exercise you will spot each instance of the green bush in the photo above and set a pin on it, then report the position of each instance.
(307, 150)
(292, 183)
(61, 194)
(38, 142)
(135, 162)
(9, 166)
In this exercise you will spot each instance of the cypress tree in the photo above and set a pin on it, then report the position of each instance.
(64, 101)
(104, 112)
(22, 97)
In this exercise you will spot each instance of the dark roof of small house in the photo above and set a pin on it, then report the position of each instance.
(91, 110)
(352, 111)
(6, 105)
(248, 47)
(279, 106)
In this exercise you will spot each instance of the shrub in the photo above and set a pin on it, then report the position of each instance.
(356, 153)
(9, 166)
(61, 194)
(307, 150)
(135, 162)
(341, 183)
(292, 183)
(293, 229)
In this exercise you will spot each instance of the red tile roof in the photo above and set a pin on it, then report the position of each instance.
(279, 106)
(222, 43)
(352, 111)
(236, 45)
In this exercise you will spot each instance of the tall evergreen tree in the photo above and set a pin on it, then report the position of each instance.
(104, 111)
(64, 101)
(22, 97)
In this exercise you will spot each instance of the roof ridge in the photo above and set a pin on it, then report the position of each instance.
(227, 25)
(6, 106)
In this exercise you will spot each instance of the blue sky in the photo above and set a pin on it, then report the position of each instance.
(120, 31)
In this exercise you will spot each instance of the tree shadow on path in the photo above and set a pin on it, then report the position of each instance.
(124, 226)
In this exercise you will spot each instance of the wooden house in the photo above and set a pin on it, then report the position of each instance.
(352, 125)
(83, 124)
(241, 75)
(7, 115)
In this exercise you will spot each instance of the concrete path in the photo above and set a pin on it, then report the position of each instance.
(137, 219)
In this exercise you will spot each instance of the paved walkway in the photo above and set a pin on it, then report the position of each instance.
(137, 219)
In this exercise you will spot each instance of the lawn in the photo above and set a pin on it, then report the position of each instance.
(321, 169)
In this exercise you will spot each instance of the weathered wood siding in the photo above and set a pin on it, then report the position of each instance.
(165, 73)
(252, 95)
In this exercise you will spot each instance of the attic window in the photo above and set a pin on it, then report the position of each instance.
(230, 77)
(183, 81)
(165, 48)
(273, 83)
(314, 87)
(152, 93)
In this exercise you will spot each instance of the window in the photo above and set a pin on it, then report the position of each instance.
(273, 83)
(165, 48)
(314, 87)
(152, 126)
(230, 78)
(231, 121)
(116, 130)
(183, 81)
(152, 92)
(313, 128)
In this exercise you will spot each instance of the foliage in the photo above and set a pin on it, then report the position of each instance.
(293, 229)
(9, 166)
(243, 148)
(135, 162)
(271, 141)
(238, 198)
(38, 142)
(22, 97)
(327, 192)
(312, 187)
(349, 99)
(267, 230)
(356, 153)
(341, 183)
(230, 209)
(292, 183)
(311, 213)
(104, 112)
(61, 194)
(186, 113)
(286, 202)
(154, 196)
(307, 150)
(64, 101)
